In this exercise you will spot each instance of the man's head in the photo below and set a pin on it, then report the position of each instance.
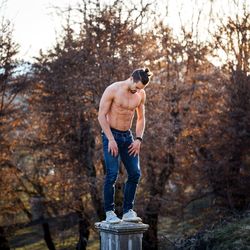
(140, 78)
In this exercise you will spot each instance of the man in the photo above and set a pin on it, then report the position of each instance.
(118, 104)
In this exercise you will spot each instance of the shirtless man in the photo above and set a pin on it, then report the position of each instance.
(116, 112)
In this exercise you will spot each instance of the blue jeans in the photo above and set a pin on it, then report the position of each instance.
(131, 163)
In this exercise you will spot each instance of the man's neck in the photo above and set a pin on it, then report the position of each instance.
(126, 85)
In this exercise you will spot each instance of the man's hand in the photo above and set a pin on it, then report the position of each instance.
(113, 148)
(134, 148)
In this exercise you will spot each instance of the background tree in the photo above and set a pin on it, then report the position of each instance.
(10, 123)
(227, 175)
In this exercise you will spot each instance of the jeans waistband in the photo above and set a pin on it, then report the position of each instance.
(121, 133)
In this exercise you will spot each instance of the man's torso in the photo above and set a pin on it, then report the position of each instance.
(121, 113)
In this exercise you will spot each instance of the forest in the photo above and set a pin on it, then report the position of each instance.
(195, 154)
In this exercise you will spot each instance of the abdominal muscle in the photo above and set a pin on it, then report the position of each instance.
(120, 118)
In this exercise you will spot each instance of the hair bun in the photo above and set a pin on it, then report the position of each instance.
(148, 72)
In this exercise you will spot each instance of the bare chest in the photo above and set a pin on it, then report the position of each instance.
(127, 102)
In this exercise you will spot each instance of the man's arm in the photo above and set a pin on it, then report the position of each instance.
(134, 148)
(104, 107)
(140, 123)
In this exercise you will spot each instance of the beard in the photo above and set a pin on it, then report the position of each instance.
(132, 91)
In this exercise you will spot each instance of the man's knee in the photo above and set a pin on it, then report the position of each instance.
(135, 177)
(111, 178)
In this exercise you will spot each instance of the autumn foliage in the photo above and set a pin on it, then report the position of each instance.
(196, 141)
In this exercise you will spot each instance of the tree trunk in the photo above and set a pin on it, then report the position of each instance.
(4, 244)
(84, 225)
(157, 188)
(150, 241)
(87, 150)
(47, 236)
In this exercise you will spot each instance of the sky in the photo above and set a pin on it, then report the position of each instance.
(36, 24)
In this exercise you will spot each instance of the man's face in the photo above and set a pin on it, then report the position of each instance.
(136, 87)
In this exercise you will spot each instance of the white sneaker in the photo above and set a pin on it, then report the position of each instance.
(111, 217)
(131, 216)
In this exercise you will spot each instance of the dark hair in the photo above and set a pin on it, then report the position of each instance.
(141, 75)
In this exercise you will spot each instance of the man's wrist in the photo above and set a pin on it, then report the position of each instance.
(139, 138)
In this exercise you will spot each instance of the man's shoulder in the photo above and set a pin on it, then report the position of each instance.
(113, 87)
(143, 93)
(143, 96)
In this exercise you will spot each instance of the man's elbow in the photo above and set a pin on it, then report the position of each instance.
(141, 120)
(101, 117)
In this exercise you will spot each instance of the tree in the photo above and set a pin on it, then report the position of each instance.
(10, 122)
(232, 37)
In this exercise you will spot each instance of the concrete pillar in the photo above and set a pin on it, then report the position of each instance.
(121, 236)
